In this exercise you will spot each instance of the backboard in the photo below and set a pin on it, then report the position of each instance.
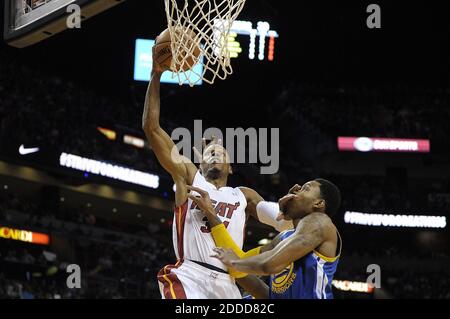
(30, 21)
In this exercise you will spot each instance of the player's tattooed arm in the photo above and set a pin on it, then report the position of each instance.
(310, 234)
(272, 244)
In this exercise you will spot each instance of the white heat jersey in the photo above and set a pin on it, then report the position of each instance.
(192, 237)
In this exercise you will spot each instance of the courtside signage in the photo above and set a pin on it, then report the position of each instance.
(24, 235)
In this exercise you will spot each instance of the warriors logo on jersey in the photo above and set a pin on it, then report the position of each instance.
(282, 281)
(310, 277)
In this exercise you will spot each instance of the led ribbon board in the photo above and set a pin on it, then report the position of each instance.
(393, 145)
(108, 170)
(24, 235)
(353, 286)
(390, 220)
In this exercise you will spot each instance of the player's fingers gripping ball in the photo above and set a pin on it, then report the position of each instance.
(187, 55)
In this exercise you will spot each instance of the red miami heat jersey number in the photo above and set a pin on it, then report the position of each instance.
(222, 209)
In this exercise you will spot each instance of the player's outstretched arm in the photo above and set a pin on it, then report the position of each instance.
(180, 168)
(311, 233)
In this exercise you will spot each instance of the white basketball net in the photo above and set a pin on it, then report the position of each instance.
(210, 20)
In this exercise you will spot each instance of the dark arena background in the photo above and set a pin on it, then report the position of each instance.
(368, 108)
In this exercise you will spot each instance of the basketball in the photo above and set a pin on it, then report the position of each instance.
(189, 50)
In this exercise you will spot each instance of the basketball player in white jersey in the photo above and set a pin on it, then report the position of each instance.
(197, 275)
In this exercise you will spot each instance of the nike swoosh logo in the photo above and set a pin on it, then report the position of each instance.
(27, 151)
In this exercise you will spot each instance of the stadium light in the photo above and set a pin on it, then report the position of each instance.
(264, 241)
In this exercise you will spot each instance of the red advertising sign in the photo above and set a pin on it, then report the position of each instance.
(366, 144)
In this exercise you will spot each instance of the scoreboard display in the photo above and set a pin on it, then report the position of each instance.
(253, 42)
(256, 42)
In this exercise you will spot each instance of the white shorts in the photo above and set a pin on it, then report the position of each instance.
(188, 280)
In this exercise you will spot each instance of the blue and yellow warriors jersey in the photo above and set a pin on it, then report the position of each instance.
(307, 278)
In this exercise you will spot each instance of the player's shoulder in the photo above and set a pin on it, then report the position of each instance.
(284, 234)
(244, 189)
(318, 220)
(249, 193)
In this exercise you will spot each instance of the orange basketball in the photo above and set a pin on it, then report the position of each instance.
(188, 54)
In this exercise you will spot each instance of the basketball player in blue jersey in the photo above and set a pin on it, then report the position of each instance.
(301, 262)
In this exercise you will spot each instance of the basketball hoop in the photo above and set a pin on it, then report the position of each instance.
(209, 22)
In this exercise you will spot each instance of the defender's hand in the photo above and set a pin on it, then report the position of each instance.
(203, 201)
(227, 256)
(283, 203)
(295, 189)
(284, 200)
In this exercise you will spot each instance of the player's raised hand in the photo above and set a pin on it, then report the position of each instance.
(227, 256)
(203, 201)
(295, 189)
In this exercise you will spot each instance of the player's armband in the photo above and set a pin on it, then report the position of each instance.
(267, 214)
(254, 252)
(223, 239)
